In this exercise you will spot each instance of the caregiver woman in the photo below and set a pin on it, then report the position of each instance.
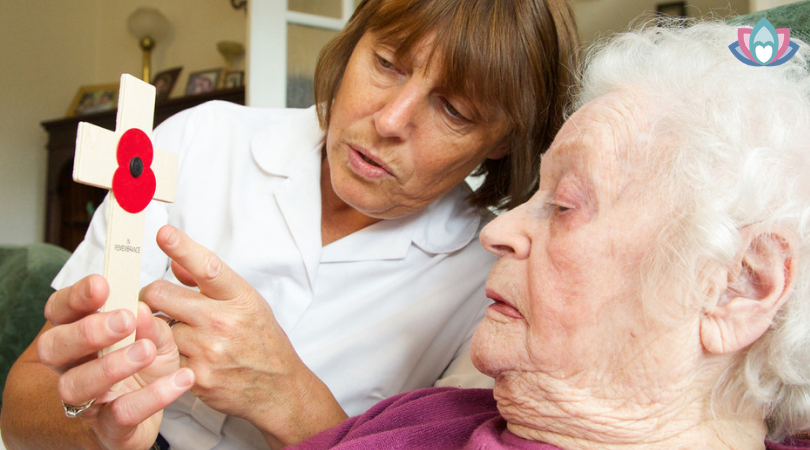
(355, 247)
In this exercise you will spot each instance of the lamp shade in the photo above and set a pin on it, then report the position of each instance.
(148, 23)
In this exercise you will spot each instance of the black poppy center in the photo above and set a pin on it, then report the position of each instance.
(136, 167)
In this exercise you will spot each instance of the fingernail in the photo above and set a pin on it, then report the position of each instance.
(183, 379)
(213, 267)
(171, 238)
(136, 352)
(88, 288)
(118, 322)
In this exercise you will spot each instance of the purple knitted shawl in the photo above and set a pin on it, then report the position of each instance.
(440, 419)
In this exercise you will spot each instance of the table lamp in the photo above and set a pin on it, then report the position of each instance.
(148, 26)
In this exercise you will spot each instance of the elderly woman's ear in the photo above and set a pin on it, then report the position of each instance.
(759, 282)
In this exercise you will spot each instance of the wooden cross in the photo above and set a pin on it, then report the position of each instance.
(125, 163)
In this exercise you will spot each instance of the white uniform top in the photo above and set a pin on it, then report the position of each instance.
(379, 312)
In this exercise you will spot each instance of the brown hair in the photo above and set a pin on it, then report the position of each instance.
(515, 58)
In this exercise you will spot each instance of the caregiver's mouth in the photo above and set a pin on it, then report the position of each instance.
(365, 164)
(366, 159)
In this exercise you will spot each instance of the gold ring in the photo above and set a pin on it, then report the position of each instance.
(73, 412)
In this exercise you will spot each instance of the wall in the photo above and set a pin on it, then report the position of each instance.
(51, 48)
(46, 56)
(197, 26)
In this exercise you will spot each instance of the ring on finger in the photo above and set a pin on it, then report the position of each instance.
(72, 411)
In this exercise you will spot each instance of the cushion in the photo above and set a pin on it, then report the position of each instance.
(26, 273)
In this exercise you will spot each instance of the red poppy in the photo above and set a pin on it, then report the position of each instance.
(134, 182)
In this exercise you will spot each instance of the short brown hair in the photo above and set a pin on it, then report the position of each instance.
(513, 57)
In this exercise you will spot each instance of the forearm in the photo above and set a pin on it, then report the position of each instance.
(32, 416)
(315, 409)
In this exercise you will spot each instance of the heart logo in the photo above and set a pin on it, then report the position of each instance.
(763, 53)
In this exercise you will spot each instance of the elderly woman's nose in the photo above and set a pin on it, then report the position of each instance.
(396, 115)
(504, 236)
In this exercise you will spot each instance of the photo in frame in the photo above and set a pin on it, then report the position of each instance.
(94, 99)
(233, 79)
(203, 81)
(164, 83)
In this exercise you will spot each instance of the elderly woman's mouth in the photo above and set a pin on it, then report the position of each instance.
(501, 306)
(506, 310)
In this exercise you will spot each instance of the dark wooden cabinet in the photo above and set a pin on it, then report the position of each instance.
(70, 205)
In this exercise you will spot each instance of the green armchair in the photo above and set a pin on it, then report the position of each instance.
(26, 273)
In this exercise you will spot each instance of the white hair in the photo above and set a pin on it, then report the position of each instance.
(741, 156)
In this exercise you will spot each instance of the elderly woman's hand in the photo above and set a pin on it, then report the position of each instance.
(244, 363)
(148, 370)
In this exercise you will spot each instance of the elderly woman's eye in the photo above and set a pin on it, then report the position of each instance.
(552, 207)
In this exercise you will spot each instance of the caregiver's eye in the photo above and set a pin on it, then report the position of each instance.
(384, 63)
(453, 112)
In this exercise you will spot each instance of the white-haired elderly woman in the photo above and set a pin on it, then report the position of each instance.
(655, 292)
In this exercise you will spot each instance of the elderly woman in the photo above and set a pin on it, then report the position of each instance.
(655, 292)
(358, 236)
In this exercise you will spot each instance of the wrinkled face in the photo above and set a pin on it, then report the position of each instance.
(566, 286)
(396, 140)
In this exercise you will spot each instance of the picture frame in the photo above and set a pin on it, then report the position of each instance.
(164, 83)
(671, 9)
(203, 81)
(92, 99)
(233, 79)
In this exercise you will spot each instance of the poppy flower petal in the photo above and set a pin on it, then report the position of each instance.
(134, 142)
(133, 194)
(134, 181)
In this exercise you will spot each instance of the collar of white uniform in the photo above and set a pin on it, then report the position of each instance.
(445, 226)
(277, 149)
